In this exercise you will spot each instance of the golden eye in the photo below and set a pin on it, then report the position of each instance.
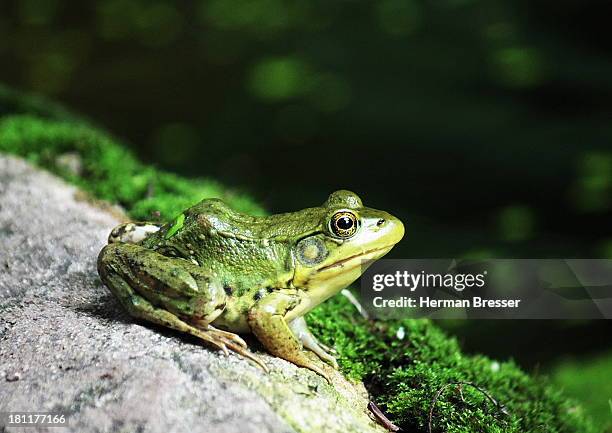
(343, 224)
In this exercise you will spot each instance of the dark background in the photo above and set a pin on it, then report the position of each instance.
(486, 126)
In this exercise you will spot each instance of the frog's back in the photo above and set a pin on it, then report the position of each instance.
(214, 214)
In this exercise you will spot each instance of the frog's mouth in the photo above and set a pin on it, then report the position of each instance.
(359, 258)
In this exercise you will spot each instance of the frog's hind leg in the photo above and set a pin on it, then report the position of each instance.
(158, 289)
(139, 307)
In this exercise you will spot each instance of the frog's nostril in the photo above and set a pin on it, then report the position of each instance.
(380, 222)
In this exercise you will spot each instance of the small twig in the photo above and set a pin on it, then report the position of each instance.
(461, 393)
(384, 421)
(353, 300)
(498, 405)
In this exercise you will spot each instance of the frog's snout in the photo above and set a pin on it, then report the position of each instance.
(397, 229)
(389, 229)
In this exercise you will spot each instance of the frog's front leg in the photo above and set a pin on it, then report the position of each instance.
(301, 331)
(267, 321)
(171, 292)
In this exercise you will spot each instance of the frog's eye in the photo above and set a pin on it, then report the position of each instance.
(343, 224)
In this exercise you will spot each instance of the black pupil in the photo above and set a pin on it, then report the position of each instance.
(344, 223)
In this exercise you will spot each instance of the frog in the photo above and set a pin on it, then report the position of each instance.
(215, 273)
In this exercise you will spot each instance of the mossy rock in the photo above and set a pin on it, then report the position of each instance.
(414, 371)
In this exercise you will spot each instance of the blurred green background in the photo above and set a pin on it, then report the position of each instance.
(485, 125)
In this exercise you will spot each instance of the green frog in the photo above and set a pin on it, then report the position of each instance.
(215, 273)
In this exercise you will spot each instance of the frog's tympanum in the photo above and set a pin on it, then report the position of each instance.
(213, 272)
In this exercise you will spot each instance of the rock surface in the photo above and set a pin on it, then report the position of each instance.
(67, 346)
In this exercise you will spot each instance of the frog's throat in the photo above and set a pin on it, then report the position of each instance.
(331, 279)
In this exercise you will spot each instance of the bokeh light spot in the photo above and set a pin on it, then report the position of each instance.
(592, 190)
(51, 63)
(277, 79)
(258, 17)
(516, 223)
(518, 66)
(478, 254)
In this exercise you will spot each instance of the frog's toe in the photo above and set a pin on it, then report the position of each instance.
(219, 344)
(330, 350)
(232, 341)
(322, 351)
(225, 335)
(328, 358)
(249, 355)
(255, 359)
(320, 371)
(334, 363)
(327, 377)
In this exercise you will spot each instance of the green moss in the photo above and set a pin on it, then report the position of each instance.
(403, 375)
(107, 169)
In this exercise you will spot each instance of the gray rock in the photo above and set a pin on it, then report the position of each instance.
(67, 346)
